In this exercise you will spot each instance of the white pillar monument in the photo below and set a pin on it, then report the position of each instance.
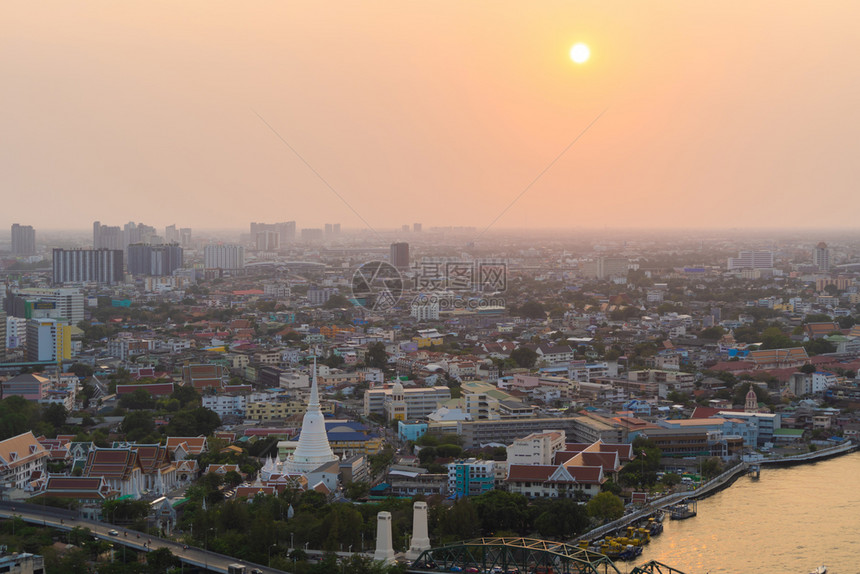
(384, 548)
(420, 539)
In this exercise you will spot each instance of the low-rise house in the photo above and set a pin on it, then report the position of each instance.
(20, 457)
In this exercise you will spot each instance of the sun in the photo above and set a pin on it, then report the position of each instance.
(580, 53)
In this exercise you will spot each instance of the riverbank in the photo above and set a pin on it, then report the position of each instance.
(715, 485)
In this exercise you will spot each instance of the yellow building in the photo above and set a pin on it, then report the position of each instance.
(278, 410)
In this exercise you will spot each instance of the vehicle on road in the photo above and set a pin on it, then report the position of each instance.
(113, 532)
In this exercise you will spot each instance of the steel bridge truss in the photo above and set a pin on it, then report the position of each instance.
(523, 555)
(654, 567)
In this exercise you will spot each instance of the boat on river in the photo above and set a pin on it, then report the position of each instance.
(820, 570)
(683, 511)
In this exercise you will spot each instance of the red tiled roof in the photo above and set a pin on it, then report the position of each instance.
(530, 473)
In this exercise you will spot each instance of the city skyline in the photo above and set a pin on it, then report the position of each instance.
(450, 112)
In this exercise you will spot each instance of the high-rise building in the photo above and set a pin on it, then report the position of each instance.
(821, 257)
(48, 340)
(268, 240)
(328, 229)
(224, 256)
(88, 266)
(606, 267)
(752, 260)
(185, 237)
(16, 332)
(416, 227)
(154, 260)
(171, 234)
(286, 230)
(106, 236)
(399, 255)
(40, 303)
(312, 235)
(3, 336)
(23, 239)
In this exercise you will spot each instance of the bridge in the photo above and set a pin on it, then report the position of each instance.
(521, 555)
(66, 520)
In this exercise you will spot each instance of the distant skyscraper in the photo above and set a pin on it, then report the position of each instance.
(88, 266)
(416, 227)
(312, 235)
(23, 240)
(106, 236)
(286, 230)
(336, 229)
(154, 260)
(399, 255)
(185, 237)
(171, 235)
(224, 256)
(328, 229)
(268, 240)
(821, 257)
(404, 228)
(752, 260)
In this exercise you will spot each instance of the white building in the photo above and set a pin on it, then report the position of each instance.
(224, 256)
(425, 309)
(751, 260)
(20, 456)
(419, 401)
(536, 448)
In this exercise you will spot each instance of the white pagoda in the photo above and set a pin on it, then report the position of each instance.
(314, 449)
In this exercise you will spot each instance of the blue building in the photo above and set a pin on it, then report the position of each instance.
(471, 477)
(411, 430)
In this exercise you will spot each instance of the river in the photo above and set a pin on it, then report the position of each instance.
(791, 520)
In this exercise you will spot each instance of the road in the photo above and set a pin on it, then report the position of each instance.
(67, 520)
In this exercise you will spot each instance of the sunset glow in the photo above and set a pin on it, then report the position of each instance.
(580, 53)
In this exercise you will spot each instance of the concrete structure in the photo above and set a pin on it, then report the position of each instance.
(821, 257)
(48, 340)
(154, 260)
(751, 260)
(20, 456)
(224, 256)
(579, 428)
(471, 477)
(24, 563)
(399, 256)
(87, 266)
(420, 401)
(23, 239)
(420, 536)
(536, 448)
(384, 548)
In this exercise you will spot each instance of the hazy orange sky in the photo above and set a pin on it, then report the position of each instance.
(728, 114)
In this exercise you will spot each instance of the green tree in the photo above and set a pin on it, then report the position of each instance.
(337, 301)
(376, 356)
(563, 519)
(532, 310)
(55, 414)
(605, 507)
(81, 370)
(501, 510)
(137, 425)
(524, 357)
(186, 395)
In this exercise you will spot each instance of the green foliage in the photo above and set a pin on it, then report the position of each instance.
(531, 310)
(561, 519)
(54, 414)
(186, 395)
(712, 333)
(524, 357)
(605, 507)
(18, 415)
(199, 421)
(333, 361)
(376, 356)
(711, 467)
(819, 347)
(380, 461)
(337, 301)
(501, 510)
(137, 425)
(356, 490)
(137, 399)
(125, 511)
(671, 479)
(82, 370)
